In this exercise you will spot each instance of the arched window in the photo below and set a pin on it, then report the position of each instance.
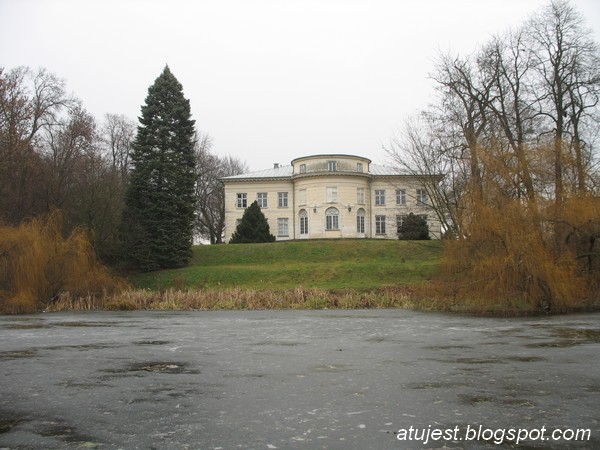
(303, 222)
(360, 221)
(332, 219)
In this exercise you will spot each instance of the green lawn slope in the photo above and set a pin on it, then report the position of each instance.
(325, 264)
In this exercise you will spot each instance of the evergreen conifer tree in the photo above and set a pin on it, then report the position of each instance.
(413, 228)
(158, 218)
(252, 228)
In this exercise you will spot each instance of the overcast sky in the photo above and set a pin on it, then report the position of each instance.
(269, 80)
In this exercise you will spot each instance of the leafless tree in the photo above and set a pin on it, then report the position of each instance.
(210, 218)
(116, 135)
(568, 82)
(68, 146)
(30, 103)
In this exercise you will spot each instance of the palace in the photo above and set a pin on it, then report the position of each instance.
(329, 197)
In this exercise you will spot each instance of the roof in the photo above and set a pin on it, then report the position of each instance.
(284, 172)
(279, 172)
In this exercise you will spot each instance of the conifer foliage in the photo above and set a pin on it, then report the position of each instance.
(414, 228)
(253, 228)
(158, 219)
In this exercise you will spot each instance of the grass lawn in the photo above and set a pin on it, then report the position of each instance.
(326, 264)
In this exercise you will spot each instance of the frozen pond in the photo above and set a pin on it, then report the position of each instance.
(297, 379)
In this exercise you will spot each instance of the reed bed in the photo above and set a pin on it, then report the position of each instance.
(424, 297)
(236, 298)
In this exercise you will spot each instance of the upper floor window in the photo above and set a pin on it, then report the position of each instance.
(302, 168)
(261, 199)
(400, 197)
(359, 167)
(380, 197)
(242, 200)
(332, 194)
(302, 196)
(282, 199)
(360, 196)
(332, 217)
(332, 166)
(422, 196)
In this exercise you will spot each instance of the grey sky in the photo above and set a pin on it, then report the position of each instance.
(269, 80)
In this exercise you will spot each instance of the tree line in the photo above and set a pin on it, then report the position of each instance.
(514, 129)
(55, 156)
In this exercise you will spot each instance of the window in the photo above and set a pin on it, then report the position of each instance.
(242, 200)
(380, 197)
(261, 199)
(360, 196)
(360, 221)
(422, 196)
(379, 224)
(303, 222)
(237, 223)
(332, 166)
(399, 222)
(282, 227)
(332, 195)
(332, 219)
(302, 168)
(359, 167)
(282, 199)
(400, 197)
(302, 197)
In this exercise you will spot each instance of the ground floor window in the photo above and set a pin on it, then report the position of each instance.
(379, 224)
(303, 222)
(282, 227)
(360, 221)
(332, 219)
(399, 222)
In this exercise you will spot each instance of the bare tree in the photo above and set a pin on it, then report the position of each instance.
(424, 151)
(464, 95)
(69, 144)
(116, 134)
(210, 193)
(30, 103)
(568, 82)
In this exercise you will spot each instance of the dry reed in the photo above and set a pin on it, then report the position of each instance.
(238, 299)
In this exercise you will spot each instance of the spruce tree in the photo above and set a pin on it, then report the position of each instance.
(413, 228)
(158, 218)
(252, 228)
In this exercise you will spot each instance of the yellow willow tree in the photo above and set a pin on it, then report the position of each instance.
(507, 256)
(38, 264)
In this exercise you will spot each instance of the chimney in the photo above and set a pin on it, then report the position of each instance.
(276, 166)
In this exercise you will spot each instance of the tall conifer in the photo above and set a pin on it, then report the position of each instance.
(158, 219)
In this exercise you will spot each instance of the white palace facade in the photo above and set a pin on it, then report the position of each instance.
(329, 197)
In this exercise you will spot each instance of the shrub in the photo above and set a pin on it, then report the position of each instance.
(253, 227)
(413, 228)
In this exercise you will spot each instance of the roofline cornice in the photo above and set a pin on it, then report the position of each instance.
(330, 155)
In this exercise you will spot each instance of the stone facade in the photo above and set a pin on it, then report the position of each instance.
(329, 197)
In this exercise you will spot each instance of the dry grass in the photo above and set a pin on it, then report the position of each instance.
(237, 298)
(432, 296)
